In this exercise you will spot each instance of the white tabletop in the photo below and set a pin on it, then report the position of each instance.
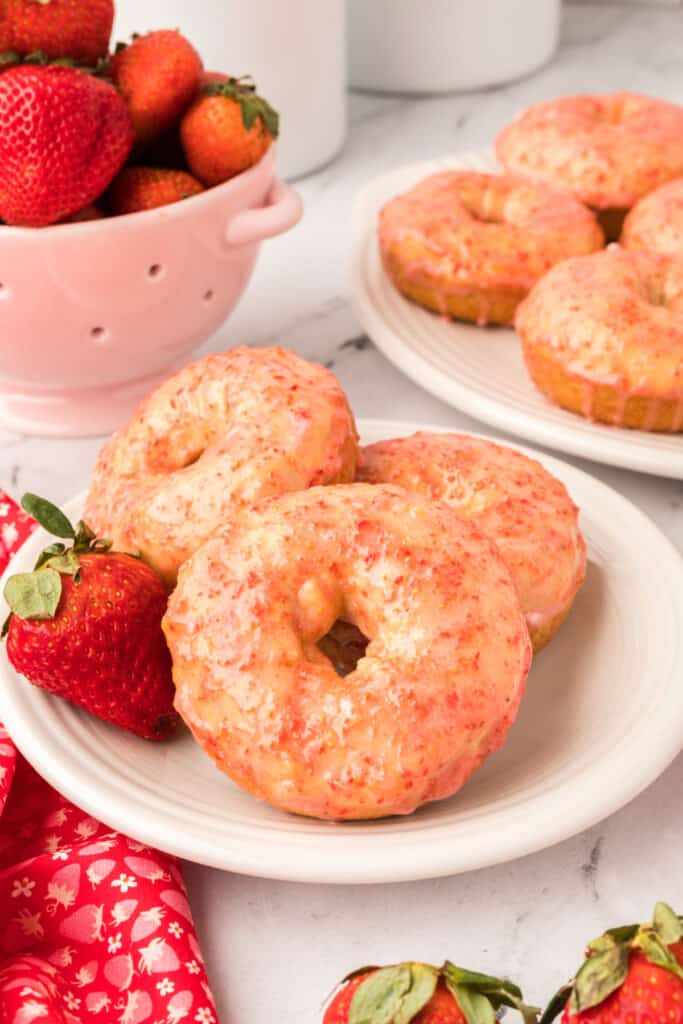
(275, 949)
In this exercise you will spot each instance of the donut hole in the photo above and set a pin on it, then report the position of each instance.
(344, 646)
(484, 206)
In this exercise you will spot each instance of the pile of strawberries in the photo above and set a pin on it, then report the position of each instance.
(85, 133)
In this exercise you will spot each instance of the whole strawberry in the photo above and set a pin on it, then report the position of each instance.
(86, 626)
(77, 29)
(64, 135)
(424, 995)
(631, 975)
(145, 188)
(158, 75)
(227, 129)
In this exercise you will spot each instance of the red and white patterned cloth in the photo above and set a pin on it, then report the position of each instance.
(94, 927)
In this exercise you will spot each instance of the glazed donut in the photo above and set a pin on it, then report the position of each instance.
(225, 432)
(471, 245)
(656, 222)
(435, 694)
(511, 498)
(608, 149)
(603, 337)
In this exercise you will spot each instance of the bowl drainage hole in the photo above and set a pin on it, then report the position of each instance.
(208, 295)
(99, 335)
(155, 271)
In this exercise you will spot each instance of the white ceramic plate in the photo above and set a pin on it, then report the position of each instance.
(479, 371)
(602, 718)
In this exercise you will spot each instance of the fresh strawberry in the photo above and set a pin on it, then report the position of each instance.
(159, 75)
(90, 212)
(226, 130)
(86, 625)
(631, 975)
(424, 995)
(144, 188)
(64, 135)
(77, 29)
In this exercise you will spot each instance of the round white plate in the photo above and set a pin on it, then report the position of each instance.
(602, 718)
(479, 371)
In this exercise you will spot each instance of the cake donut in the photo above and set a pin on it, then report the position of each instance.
(511, 498)
(603, 337)
(609, 149)
(656, 222)
(438, 688)
(470, 245)
(224, 432)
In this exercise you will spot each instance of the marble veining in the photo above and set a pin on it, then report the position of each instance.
(275, 949)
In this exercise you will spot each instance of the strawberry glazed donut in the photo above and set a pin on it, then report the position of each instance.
(225, 432)
(471, 245)
(603, 337)
(436, 692)
(511, 498)
(609, 150)
(656, 222)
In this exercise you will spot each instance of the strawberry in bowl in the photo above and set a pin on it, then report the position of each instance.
(113, 252)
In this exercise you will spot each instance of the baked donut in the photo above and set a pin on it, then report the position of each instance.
(656, 221)
(511, 498)
(225, 432)
(603, 337)
(435, 694)
(608, 149)
(471, 245)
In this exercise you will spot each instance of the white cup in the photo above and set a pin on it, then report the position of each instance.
(424, 46)
(296, 52)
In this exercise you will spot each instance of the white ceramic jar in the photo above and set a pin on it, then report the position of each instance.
(423, 46)
(296, 52)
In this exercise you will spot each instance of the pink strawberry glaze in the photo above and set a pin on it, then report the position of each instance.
(94, 314)
(462, 230)
(511, 498)
(608, 149)
(435, 694)
(656, 222)
(615, 317)
(226, 431)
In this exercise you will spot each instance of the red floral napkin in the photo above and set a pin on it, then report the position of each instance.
(94, 927)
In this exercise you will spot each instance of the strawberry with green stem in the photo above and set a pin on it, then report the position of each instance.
(631, 975)
(86, 625)
(424, 995)
(227, 129)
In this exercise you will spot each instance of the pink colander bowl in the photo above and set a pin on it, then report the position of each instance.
(93, 315)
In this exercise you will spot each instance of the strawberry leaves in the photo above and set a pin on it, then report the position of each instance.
(48, 516)
(473, 990)
(395, 995)
(36, 595)
(607, 961)
(252, 106)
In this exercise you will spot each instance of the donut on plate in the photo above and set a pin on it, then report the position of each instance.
(656, 221)
(511, 498)
(225, 432)
(610, 149)
(470, 245)
(603, 337)
(436, 692)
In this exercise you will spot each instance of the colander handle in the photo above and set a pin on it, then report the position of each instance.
(283, 209)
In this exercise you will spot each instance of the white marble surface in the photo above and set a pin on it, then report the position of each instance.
(274, 949)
